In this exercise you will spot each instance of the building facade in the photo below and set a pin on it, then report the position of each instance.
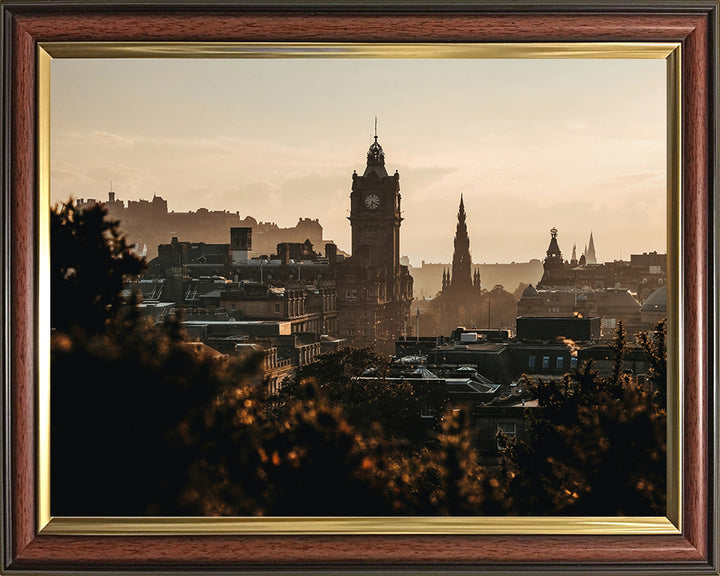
(374, 290)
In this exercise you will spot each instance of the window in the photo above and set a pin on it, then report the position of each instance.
(546, 362)
(508, 428)
(351, 293)
(277, 308)
(427, 410)
(573, 362)
(531, 361)
(559, 363)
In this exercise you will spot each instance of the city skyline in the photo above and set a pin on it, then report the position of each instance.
(578, 145)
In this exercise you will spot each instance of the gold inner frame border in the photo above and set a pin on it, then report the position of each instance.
(670, 524)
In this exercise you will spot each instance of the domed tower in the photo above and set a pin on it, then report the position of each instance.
(529, 303)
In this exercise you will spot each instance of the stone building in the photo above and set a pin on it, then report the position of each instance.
(374, 290)
(614, 291)
(307, 308)
(283, 350)
(220, 282)
(642, 275)
(149, 223)
(294, 262)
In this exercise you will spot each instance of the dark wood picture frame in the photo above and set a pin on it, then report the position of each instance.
(693, 23)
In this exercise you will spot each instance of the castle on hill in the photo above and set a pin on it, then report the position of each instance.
(148, 224)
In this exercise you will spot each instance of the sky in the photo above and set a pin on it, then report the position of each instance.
(579, 145)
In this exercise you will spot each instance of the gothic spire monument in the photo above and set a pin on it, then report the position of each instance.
(374, 290)
(461, 276)
(461, 288)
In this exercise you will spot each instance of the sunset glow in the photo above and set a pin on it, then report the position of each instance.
(579, 145)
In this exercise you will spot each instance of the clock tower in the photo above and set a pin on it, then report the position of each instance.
(374, 290)
(375, 212)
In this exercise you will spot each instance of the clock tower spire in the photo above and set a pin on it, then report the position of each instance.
(375, 212)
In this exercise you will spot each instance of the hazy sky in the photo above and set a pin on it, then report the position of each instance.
(575, 144)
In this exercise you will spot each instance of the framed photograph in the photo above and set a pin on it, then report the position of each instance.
(423, 43)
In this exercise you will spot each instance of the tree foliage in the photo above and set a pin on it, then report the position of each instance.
(90, 263)
(497, 308)
(143, 422)
(126, 406)
(365, 402)
(445, 477)
(122, 390)
(654, 344)
(596, 446)
(309, 462)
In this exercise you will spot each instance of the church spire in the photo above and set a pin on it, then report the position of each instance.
(461, 276)
(476, 278)
(590, 256)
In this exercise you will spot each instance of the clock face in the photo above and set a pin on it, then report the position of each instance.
(372, 201)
